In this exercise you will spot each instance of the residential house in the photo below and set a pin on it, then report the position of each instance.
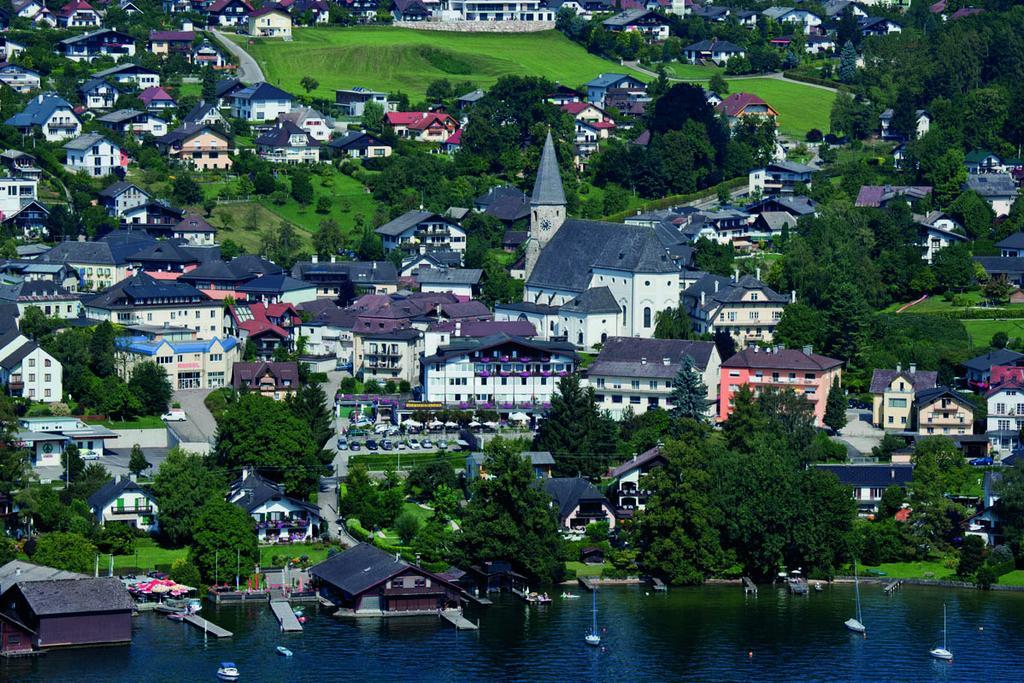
(265, 326)
(78, 14)
(878, 26)
(27, 371)
(360, 145)
(276, 380)
(143, 300)
(808, 21)
(207, 54)
(638, 373)
(229, 13)
(979, 369)
(329, 331)
(157, 99)
(868, 482)
(779, 176)
(507, 204)
(123, 501)
(206, 114)
(73, 612)
(277, 288)
(422, 232)
(943, 411)
(190, 361)
(1009, 268)
(96, 93)
(423, 126)
(747, 309)
(15, 194)
(999, 190)
(497, 10)
(166, 43)
(51, 115)
(643, 21)
(937, 231)
(318, 11)
(279, 518)
(309, 120)
(199, 145)
(20, 79)
(985, 161)
(33, 10)
(411, 10)
(499, 371)
(626, 492)
(260, 102)
(807, 373)
(346, 279)
(820, 45)
(135, 123)
(95, 155)
(597, 88)
(47, 437)
(387, 355)
(879, 196)
(269, 21)
(894, 393)
(30, 221)
(352, 102)
(105, 42)
(922, 122)
(50, 297)
(220, 280)
(101, 263)
(1005, 402)
(541, 462)
(578, 503)
(120, 196)
(740, 105)
(286, 143)
(713, 50)
(136, 76)
(20, 165)
(367, 581)
(989, 523)
(462, 282)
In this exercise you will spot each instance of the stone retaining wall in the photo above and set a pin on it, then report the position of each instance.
(479, 26)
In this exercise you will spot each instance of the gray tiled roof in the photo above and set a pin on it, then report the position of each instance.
(631, 357)
(568, 492)
(922, 379)
(991, 184)
(20, 571)
(984, 362)
(547, 188)
(407, 220)
(76, 596)
(358, 568)
(594, 300)
(449, 276)
(871, 476)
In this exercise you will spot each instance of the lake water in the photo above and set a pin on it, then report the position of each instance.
(710, 633)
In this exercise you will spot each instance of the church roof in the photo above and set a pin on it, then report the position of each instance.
(547, 189)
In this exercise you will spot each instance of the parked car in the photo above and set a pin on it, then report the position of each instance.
(442, 444)
(381, 428)
(428, 444)
(386, 445)
(355, 446)
(982, 462)
(414, 444)
(174, 415)
(401, 446)
(342, 443)
(371, 445)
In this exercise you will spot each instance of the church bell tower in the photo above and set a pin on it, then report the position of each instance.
(547, 205)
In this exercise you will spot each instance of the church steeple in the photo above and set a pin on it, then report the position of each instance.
(547, 205)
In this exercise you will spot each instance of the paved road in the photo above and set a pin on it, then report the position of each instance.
(859, 433)
(777, 75)
(200, 420)
(248, 70)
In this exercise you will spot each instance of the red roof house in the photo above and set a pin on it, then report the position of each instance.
(740, 104)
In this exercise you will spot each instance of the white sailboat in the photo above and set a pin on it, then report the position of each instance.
(856, 625)
(942, 652)
(593, 638)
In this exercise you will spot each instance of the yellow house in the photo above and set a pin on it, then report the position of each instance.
(893, 394)
(944, 411)
(201, 146)
(270, 22)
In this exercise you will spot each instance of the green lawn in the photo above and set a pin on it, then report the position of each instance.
(800, 106)
(1014, 578)
(148, 554)
(932, 569)
(579, 569)
(691, 72)
(144, 422)
(420, 513)
(396, 59)
(316, 553)
(981, 331)
(379, 461)
(234, 222)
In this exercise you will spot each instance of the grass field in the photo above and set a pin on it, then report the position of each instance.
(316, 553)
(148, 554)
(396, 59)
(579, 569)
(144, 422)
(932, 569)
(378, 461)
(691, 72)
(981, 331)
(801, 107)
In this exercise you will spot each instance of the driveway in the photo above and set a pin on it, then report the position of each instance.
(859, 433)
(248, 70)
(200, 420)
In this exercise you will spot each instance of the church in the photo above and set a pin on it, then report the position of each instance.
(590, 280)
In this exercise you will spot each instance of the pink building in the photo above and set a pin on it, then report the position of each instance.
(802, 371)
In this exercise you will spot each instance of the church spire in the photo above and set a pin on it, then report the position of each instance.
(547, 188)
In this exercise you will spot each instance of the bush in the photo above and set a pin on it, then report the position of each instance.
(407, 526)
(597, 531)
(356, 529)
(814, 135)
(186, 573)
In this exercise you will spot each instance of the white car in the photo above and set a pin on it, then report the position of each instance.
(414, 443)
(381, 428)
(174, 415)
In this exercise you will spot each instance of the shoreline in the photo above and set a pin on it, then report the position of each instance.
(875, 580)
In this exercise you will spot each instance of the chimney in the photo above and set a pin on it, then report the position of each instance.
(643, 361)
(666, 361)
(332, 258)
(892, 473)
(899, 368)
(808, 350)
(757, 349)
(792, 296)
(735, 274)
(757, 272)
(458, 328)
(702, 298)
(81, 238)
(913, 368)
(315, 258)
(716, 286)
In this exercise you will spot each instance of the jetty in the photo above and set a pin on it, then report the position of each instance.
(207, 626)
(283, 611)
(456, 619)
(587, 582)
(893, 586)
(658, 584)
(476, 599)
(749, 587)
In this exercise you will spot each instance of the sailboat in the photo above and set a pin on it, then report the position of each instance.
(856, 625)
(942, 652)
(593, 638)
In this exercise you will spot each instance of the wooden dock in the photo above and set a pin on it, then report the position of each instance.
(483, 602)
(658, 584)
(587, 583)
(749, 587)
(893, 586)
(283, 611)
(207, 626)
(455, 618)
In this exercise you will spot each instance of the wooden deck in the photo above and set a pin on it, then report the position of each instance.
(587, 582)
(749, 587)
(455, 618)
(283, 611)
(208, 626)
(658, 584)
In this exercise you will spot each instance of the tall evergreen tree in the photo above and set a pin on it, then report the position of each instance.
(848, 63)
(581, 439)
(835, 407)
(689, 397)
(744, 421)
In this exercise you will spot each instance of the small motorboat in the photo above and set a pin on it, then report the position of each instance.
(569, 596)
(543, 599)
(176, 616)
(818, 587)
(194, 605)
(227, 671)
(298, 611)
(283, 651)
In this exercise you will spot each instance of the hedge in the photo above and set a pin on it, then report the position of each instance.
(676, 199)
(794, 75)
(981, 314)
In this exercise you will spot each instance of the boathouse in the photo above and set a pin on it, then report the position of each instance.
(366, 581)
(65, 613)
